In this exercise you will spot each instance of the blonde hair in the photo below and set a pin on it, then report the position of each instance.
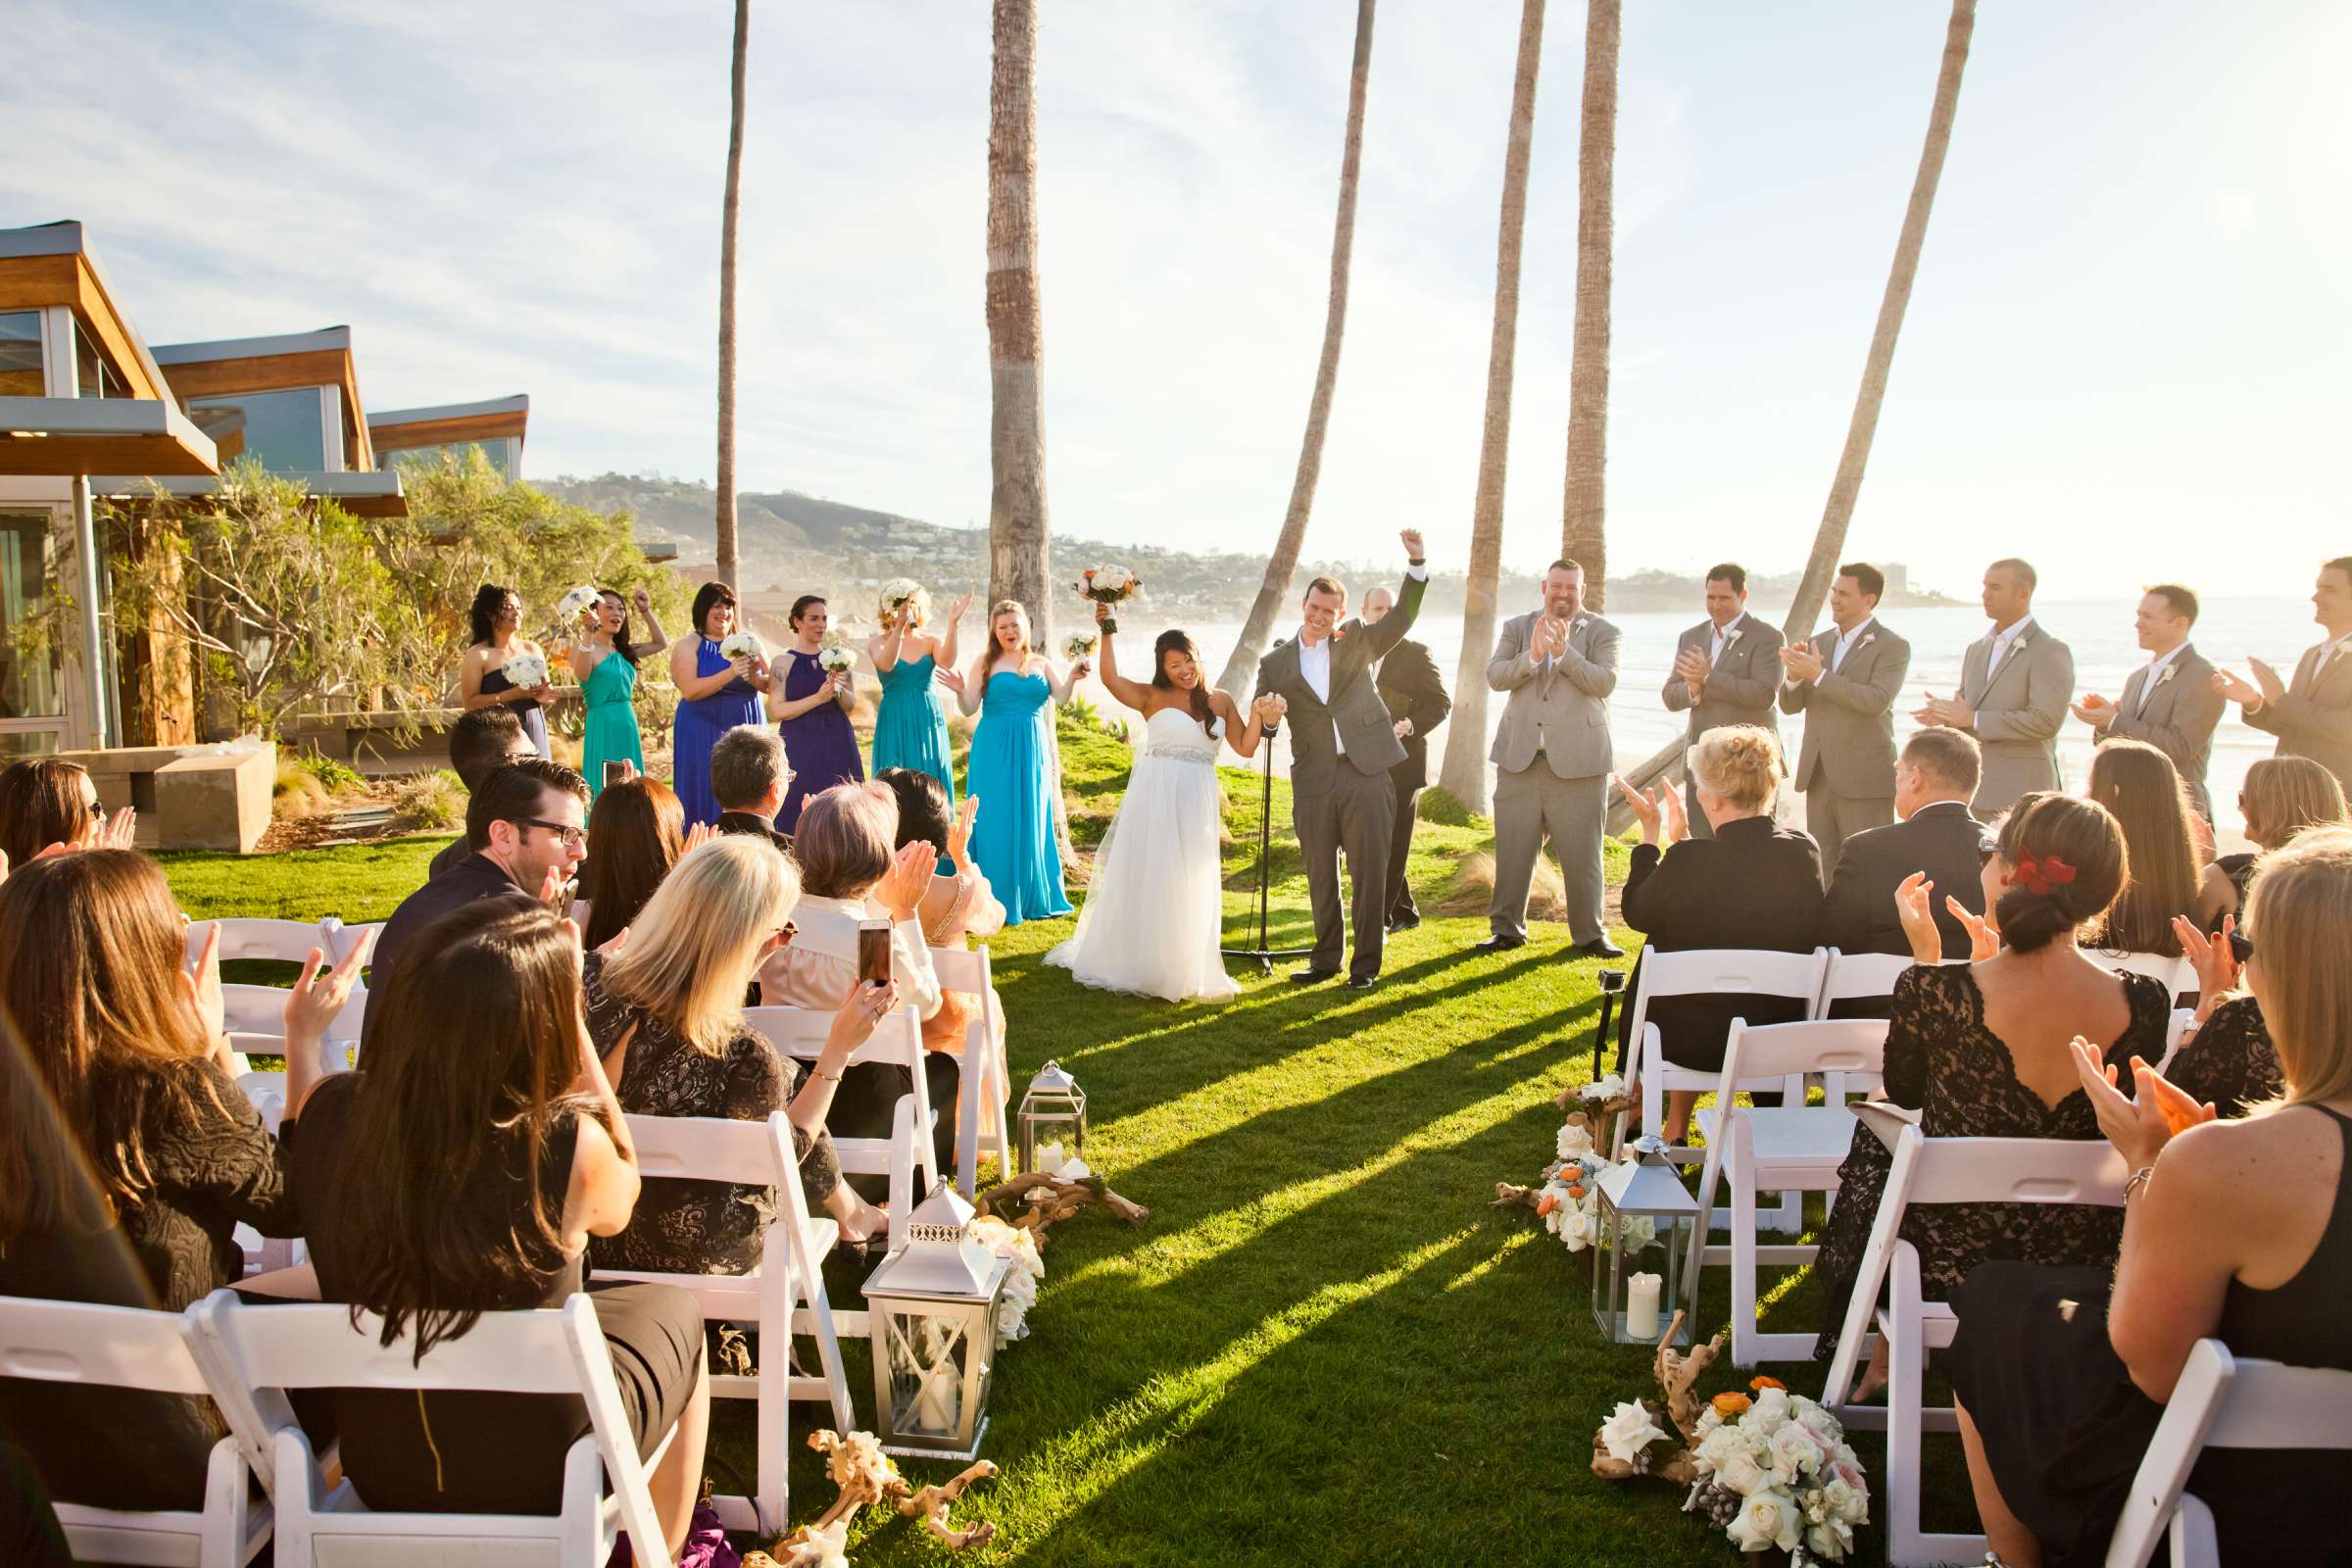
(694, 946)
(2284, 795)
(1741, 762)
(2298, 913)
(1007, 606)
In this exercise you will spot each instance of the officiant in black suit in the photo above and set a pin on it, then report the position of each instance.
(1414, 693)
(1344, 746)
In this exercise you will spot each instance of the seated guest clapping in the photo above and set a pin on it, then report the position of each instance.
(850, 873)
(2281, 798)
(460, 1169)
(47, 802)
(526, 833)
(2239, 1231)
(1752, 885)
(1936, 840)
(1983, 1050)
(666, 1010)
(482, 741)
(959, 907)
(2140, 786)
(750, 776)
(636, 832)
(128, 1152)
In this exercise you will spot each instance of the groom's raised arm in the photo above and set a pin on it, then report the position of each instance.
(1385, 633)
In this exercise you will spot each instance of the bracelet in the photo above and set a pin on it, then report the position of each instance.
(830, 1077)
(2137, 1180)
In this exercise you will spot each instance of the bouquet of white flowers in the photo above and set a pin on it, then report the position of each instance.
(1020, 1280)
(1775, 1473)
(897, 595)
(1108, 585)
(739, 645)
(1081, 645)
(524, 669)
(836, 654)
(1570, 1201)
(576, 603)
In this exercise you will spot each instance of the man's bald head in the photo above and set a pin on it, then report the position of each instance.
(1378, 603)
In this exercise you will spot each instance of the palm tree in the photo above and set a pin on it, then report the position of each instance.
(1830, 542)
(1464, 772)
(1583, 538)
(1018, 564)
(1241, 669)
(729, 561)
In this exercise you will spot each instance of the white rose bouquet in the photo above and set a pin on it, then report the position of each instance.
(576, 603)
(897, 595)
(739, 645)
(1775, 1473)
(1632, 1436)
(524, 669)
(836, 654)
(1081, 645)
(1108, 585)
(1020, 1280)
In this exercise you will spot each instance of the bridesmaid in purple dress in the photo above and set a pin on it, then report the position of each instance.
(714, 694)
(819, 747)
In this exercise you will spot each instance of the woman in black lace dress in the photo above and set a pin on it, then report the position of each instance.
(666, 1012)
(1981, 1050)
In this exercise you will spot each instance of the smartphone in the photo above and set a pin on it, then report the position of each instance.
(619, 771)
(874, 950)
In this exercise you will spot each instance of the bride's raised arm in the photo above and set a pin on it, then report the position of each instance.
(1135, 694)
(1240, 730)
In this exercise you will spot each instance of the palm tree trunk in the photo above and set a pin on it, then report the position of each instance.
(1241, 669)
(1464, 771)
(1584, 536)
(1830, 542)
(1017, 556)
(730, 565)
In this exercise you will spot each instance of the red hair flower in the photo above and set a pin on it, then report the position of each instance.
(2044, 876)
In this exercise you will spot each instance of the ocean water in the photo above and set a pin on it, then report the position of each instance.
(2099, 631)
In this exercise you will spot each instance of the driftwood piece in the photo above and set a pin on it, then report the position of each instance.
(867, 1479)
(1041, 1200)
(1509, 1195)
(932, 1503)
(1678, 1373)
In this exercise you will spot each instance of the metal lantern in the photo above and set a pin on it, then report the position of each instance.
(1644, 1212)
(931, 1309)
(1052, 1111)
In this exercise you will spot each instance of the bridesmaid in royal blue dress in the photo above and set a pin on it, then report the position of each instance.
(497, 617)
(910, 726)
(714, 694)
(819, 746)
(1013, 769)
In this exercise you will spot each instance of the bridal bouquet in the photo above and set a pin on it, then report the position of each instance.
(836, 654)
(524, 669)
(741, 645)
(576, 603)
(1081, 645)
(1569, 1202)
(1108, 585)
(1775, 1473)
(897, 595)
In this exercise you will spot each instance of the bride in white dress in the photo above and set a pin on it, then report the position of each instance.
(1154, 909)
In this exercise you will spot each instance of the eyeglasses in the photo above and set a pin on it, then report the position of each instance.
(573, 837)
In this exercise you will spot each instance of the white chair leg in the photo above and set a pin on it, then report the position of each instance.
(970, 1091)
(2194, 1543)
(1744, 1244)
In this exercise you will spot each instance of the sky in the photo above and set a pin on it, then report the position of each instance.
(2126, 356)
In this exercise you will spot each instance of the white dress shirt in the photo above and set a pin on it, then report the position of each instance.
(1722, 638)
(1846, 641)
(2156, 669)
(1315, 664)
(2002, 641)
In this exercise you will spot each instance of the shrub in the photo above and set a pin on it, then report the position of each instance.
(429, 802)
(336, 777)
(1441, 805)
(298, 795)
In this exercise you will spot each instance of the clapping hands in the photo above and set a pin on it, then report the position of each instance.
(2157, 1112)
(901, 888)
(1914, 908)
(1800, 663)
(2265, 687)
(1660, 811)
(2093, 709)
(959, 832)
(2215, 958)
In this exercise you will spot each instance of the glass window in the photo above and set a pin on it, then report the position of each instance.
(498, 449)
(21, 354)
(283, 429)
(95, 371)
(28, 684)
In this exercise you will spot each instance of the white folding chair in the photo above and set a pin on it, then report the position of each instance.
(984, 1088)
(1789, 1149)
(287, 941)
(1706, 971)
(252, 1355)
(2179, 974)
(2222, 1403)
(341, 938)
(1941, 1170)
(129, 1347)
(799, 1033)
(784, 1292)
(1858, 977)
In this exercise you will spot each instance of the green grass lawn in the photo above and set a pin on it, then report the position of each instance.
(1325, 1346)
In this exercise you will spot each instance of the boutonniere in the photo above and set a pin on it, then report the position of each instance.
(1867, 638)
(1578, 625)
(2169, 671)
(2338, 654)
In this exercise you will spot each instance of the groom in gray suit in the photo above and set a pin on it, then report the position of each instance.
(1552, 759)
(1727, 670)
(2016, 683)
(1342, 745)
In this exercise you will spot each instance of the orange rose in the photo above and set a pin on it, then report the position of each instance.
(1731, 1407)
(1575, 1189)
(1760, 1384)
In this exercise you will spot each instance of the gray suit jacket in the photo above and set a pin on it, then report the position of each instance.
(1743, 685)
(1850, 714)
(2019, 709)
(1562, 710)
(2179, 721)
(2314, 719)
(1354, 707)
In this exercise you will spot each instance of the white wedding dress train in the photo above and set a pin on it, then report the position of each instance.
(1154, 912)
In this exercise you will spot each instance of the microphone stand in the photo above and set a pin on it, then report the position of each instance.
(1262, 955)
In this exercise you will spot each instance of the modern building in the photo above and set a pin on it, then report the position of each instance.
(88, 412)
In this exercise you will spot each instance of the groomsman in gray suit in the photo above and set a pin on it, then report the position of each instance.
(1727, 670)
(2015, 684)
(2312, 717)
(1552, 759)
(2171, 700)
(1844, 681)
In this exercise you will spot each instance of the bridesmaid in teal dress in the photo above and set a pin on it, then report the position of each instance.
(1014, 770)
(604, 659)
(911, 727)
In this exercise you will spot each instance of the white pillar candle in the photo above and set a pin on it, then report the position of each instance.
(1049, 1158)
(1641, 1307)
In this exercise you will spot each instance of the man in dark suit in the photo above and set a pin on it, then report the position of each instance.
(1342, 745)
(750, 776)
(482, 741)
(526, 828)
(1727, 670)
(1844, 680)
(2312, 715)
(1933, 781)
(1414, 693)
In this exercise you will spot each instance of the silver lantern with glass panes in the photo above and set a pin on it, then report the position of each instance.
(931, 1309)
(1644, 1218)
(1053, 1111)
